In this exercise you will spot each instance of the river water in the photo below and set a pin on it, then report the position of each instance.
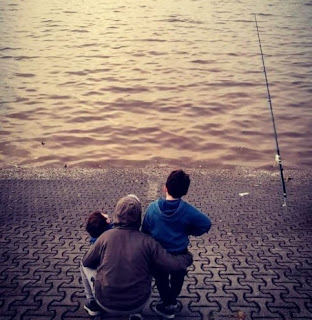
(94, 83)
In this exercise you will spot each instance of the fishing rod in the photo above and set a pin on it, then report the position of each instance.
(278, 158)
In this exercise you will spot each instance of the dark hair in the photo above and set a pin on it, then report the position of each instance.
(178, 183)
(96, 224)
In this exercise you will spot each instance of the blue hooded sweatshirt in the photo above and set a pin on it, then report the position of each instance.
(170, 222)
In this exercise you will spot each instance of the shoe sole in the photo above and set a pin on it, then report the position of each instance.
(135, 317)
(177, 307)
(167, 316)
(92, 313)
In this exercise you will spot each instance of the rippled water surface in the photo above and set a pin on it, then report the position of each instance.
(98, 82)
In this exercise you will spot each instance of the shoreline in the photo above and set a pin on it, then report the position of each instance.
(158, 163)
(75, 172)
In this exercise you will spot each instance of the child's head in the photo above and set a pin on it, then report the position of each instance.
(178, 183)
(97, 223)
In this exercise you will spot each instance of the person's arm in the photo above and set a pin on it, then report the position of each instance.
(199, 223)
(93, 257)
(165, 260)
(145, 225)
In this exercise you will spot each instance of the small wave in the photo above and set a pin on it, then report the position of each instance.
(165, 88)
(18, 152)
(79, 31)
(235, 95)
(18, 58)
(139, 54)
(157, 53)
(151, 40)
(25, 75)
(126, 89)
(68, 83)
(118, 47)
(86, 45)
(32, 102)
(85, 119)
(291, 134)
(26, 115)
(233, 54)
(214, 70)
(55, 25)
(93, 56)
(100, 70)
(21, 99)
(243, 21)
(77, 73)
(203, 61)
(232, 84)
(92, 93)
(181, 20)
(58, 97)
(265, 14)
(8, 48)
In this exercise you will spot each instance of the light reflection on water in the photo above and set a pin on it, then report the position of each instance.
(92, 83)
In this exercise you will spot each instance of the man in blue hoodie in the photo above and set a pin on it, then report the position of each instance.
(171, 221)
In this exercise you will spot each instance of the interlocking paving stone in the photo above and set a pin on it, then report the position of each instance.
(255, 263)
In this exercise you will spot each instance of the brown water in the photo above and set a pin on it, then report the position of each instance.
(96, 82)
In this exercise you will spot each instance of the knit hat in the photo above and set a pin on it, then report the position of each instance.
(128, 212)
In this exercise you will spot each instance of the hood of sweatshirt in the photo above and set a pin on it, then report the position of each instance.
(128, 212)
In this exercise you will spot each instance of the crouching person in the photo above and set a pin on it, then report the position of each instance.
(116, 271)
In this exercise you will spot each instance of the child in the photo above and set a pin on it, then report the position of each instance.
(97, 223)
(170, 221)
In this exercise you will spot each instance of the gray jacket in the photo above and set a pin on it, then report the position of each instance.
(124, 258)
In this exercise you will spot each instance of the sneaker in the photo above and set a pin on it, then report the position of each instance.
(164, 311)
(177, 307)
(135, 316)
(93, 308)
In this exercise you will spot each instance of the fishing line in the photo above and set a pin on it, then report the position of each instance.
(278, 158)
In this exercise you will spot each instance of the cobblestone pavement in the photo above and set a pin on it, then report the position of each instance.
(255, 263)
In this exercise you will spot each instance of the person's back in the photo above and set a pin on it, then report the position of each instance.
(171, 221)
(123, 257)
(132, 253)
